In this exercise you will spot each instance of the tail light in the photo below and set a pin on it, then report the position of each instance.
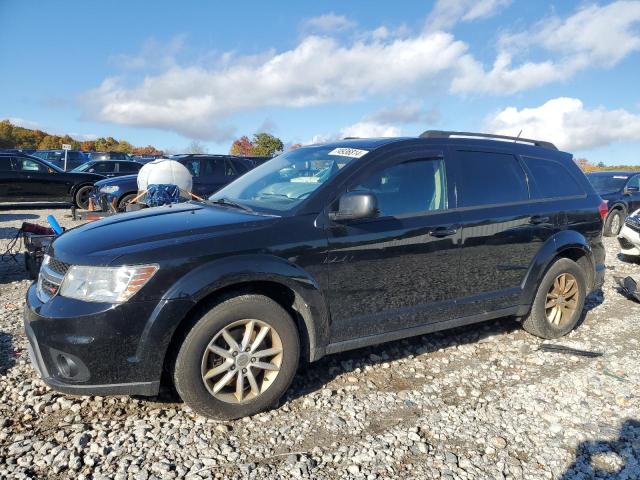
(603, 208)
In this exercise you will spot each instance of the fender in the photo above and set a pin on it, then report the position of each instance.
(208, 278)
(553, 247)
(621, 205)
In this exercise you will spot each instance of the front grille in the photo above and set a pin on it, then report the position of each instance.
(51, 275)
(633, 223)
(58, 266)
(625, 244)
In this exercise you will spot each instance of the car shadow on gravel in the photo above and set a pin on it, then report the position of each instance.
(12, 268)
(7, 354)
(610, 459)
(315, 376)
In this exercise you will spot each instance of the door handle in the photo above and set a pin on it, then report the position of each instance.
(442, 232)
(538, 220)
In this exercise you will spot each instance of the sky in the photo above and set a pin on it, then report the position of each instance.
(166, 73)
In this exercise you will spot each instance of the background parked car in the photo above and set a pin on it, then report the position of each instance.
(621, 191)
(25, 178)
(109, 168)
(210, 174)
(75, 158)
(109, 156)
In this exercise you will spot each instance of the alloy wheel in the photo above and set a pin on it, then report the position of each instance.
(615, 224)
(562, 299)
(242, 361)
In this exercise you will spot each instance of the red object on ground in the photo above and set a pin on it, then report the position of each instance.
(36, 229)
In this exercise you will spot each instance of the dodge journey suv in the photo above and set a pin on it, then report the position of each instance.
(322, 249)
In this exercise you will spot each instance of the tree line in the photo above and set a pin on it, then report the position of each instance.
(13, 136)
(586, 166)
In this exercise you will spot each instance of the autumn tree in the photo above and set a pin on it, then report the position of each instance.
(266, 145)
(242, 147)
(295, 146)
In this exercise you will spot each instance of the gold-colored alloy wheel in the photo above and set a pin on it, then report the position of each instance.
(242, 361)
(562, 299)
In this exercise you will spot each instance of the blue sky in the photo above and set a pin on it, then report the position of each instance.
(166, 72)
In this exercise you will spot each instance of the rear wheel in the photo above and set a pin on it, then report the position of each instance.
(81, 197)
(558, 304)
(238, 359)
(613, 223)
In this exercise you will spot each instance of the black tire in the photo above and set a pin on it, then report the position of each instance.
(122, 204)
(537, 322)
(187, 372)
(81, 198)
(613, 223)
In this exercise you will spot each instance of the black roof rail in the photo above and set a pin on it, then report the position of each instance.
(447, 134)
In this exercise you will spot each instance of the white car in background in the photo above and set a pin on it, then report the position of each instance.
(629, 236)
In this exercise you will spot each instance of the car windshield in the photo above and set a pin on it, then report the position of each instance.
(84, 167)
(607, 183)
(284, 182)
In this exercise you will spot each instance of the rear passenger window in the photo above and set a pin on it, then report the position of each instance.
(5, 164)
(410, 187)
(486, 178)
(552, 179)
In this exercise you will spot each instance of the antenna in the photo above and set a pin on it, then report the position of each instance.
(518, 137)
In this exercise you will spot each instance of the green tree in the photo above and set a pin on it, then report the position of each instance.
(6, 134)
(265, 144)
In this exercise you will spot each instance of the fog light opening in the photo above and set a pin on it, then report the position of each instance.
(66, 366)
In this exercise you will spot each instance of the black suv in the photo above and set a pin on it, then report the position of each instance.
(322, 249)
(24, 178)
(621, 191)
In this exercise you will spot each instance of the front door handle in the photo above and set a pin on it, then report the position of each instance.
(442, 232)
(538, 220)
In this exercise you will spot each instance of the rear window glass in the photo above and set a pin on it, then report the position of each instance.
(487, 178)
(552, 179)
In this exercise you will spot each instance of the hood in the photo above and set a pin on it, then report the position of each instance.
(101, 242)
(121, 180)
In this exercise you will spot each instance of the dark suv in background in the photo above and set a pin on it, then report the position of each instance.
(322, 249)
(75, 158)
(621, 191)
(210, 173)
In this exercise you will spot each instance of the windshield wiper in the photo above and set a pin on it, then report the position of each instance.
(230, 203)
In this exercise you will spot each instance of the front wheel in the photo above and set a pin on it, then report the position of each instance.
(558, 304)
(81, 197)
(238, 359)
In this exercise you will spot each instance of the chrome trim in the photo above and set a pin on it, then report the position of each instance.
(47, 275)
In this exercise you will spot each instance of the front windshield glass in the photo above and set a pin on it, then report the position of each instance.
(284, 182)
(83, 167)
(607, 183)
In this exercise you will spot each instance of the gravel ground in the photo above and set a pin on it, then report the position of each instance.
(476, 402)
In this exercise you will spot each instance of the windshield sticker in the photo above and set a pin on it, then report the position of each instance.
(348, 152)
(620, 176)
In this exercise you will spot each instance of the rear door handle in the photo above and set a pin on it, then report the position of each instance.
(538, 220)
(442, 232)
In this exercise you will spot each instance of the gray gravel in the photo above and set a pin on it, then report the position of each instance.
(477, 402)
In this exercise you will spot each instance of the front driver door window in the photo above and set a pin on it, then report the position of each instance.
(634, 198)
(400, 269)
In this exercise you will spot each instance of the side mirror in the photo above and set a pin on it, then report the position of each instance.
(355, 206)
(630, 190)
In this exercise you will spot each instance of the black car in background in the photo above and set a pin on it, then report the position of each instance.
(109, 168)
(322, 249)
(75, 158)
(25, 178)
(210, 173)
(621, 191)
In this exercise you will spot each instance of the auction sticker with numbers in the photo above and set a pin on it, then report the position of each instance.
(348, 152)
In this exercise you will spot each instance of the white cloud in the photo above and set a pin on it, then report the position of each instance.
(408, 112)
(566, 122)
(199, 100)
(196, 102)
(329, 22)
(446, 13)
(369, 129)
(21, 122)
(153, 54)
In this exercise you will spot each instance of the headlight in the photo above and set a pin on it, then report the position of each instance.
(109, 189)
(105, 284)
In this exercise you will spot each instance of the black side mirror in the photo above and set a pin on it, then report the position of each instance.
(355, 206)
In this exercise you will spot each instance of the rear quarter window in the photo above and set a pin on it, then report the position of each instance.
(552, 179)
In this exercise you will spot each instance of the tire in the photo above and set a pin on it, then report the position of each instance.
(81, 197)
(122, 204)
(541, 321)
(195, 358)
(613, 224)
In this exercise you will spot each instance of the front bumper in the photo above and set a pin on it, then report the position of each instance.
(629, 241)
(93, 351)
